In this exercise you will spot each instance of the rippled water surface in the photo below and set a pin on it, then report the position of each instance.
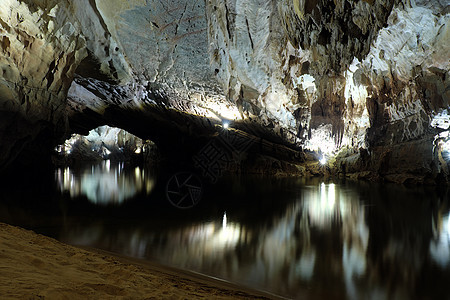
(292, 237)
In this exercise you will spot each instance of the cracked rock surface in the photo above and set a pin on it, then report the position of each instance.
(365, 80)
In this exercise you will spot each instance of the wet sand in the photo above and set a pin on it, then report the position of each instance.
(33, 266)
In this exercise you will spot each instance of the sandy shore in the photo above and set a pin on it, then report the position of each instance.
(33, 266)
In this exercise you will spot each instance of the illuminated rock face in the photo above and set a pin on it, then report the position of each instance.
(370, 77)
(103, 143)
(40, 48)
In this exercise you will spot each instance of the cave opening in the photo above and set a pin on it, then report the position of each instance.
(105, 143)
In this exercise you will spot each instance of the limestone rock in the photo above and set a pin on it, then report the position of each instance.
(370, 76)
(40, 48)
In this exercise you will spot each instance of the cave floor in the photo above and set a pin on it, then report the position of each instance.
(37, 267)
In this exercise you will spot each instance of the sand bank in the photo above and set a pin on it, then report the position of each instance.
(33, 266)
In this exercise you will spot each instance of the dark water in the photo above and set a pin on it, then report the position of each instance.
(293, 237)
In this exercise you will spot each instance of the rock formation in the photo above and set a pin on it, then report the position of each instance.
(363, 83)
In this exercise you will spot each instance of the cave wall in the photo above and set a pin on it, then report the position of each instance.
(39, 51)
(368, 77)
(365, 79)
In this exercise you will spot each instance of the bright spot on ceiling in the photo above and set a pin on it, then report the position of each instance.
(215, 108)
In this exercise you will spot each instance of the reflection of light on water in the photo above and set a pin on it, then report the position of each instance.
(321, 208)
(229, 234)
(281, 254)
(224, 220)
(306, 264)
(149, 185)
(328, 207)
(137, 173)
(104, 183)
(221, 238)
(200, 243)
(354, 265)
(448, 227)
(331, 196)
(440, 247)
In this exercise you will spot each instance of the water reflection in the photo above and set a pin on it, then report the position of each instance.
(105, 183)
(340, 213)
(355, 242)
(321, 234)
(293, 237)
(440, 245)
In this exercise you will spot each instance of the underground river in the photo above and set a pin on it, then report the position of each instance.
(293, 237)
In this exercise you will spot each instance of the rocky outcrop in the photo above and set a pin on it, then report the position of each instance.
(363, 76)
(39, 51)
(105, 143)
(42, 45)
(406, 78)
(367, 81)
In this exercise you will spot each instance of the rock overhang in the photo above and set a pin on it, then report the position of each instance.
(353, 75)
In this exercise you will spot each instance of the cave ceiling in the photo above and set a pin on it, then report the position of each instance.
(318, 75)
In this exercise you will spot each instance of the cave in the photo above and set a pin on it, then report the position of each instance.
(225, 148)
